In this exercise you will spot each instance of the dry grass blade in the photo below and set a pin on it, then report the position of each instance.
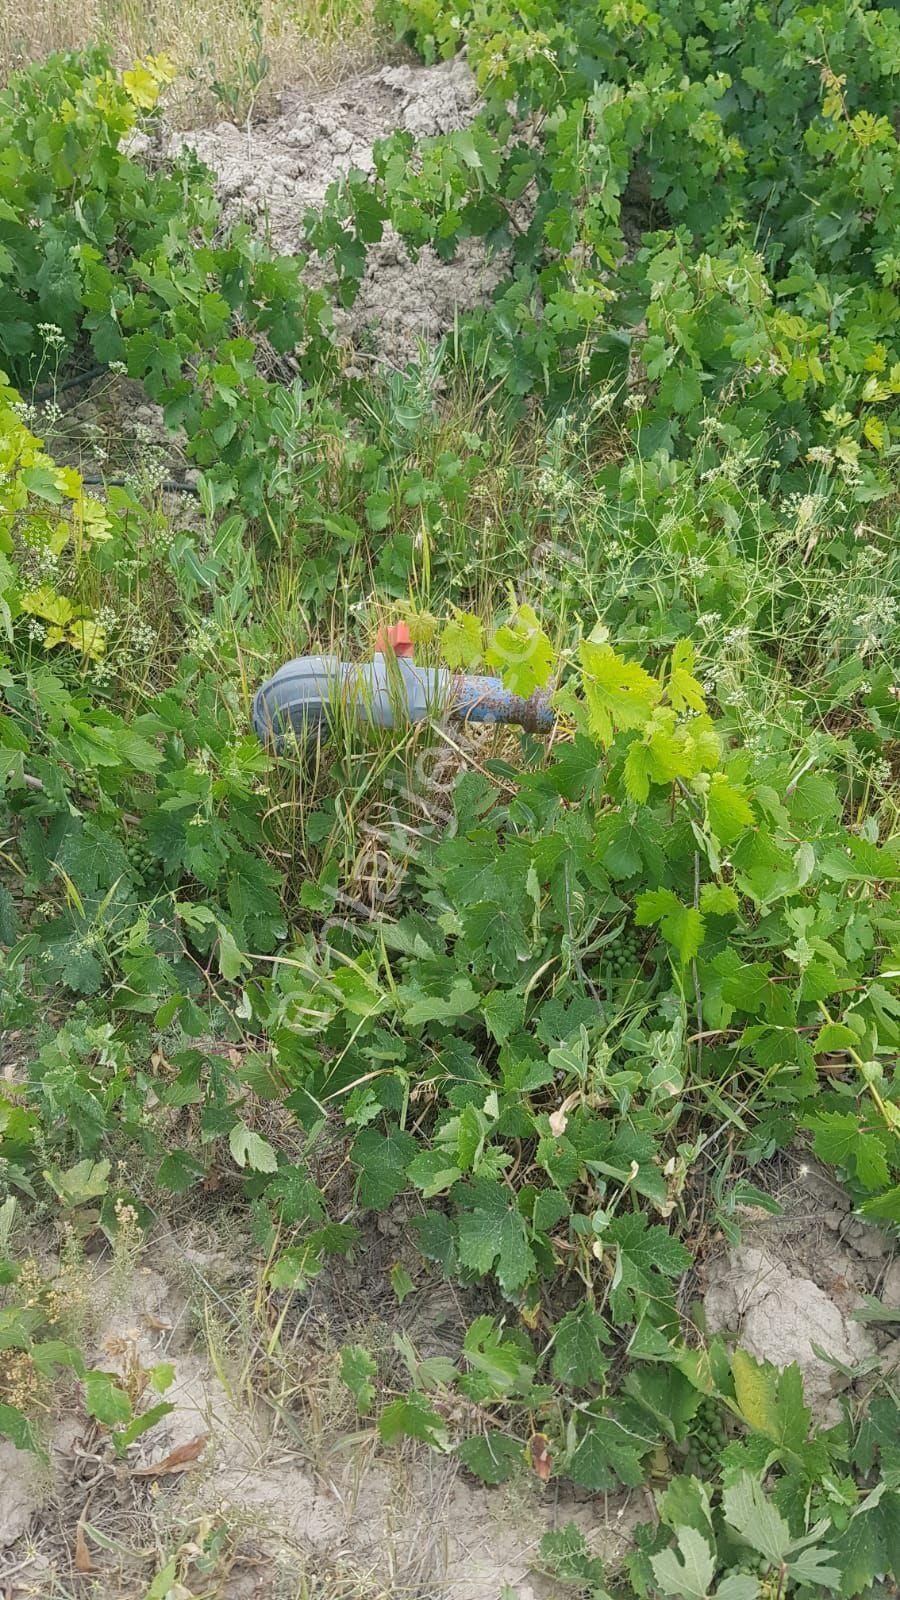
(315, 42)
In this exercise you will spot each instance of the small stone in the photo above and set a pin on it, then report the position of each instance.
(20, 1492)
(341, 140)
(867, 1241)
(890, 1358)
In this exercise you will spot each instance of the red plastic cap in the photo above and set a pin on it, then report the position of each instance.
(397, 638)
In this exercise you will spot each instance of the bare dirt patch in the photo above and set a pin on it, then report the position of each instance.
(788, 1292)
(272, 174)
(263, 1470)
(281, 1477)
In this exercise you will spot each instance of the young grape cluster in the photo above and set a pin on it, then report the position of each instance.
(624, 952)
(755, 1566)
(709, 1434)
(140, 858)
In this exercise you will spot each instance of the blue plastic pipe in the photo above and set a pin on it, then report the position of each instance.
(313, 690)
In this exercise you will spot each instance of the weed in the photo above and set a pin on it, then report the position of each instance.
(551, 1000)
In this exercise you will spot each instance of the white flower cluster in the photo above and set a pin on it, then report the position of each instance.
(51, 334)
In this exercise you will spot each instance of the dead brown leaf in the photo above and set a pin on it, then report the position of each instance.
(156, 1324)
(541, 1459)
(176, 1461)
(83, 1562)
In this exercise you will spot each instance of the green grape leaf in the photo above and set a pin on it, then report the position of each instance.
(681, 926)
(646, 1255)
(382, 1161)
(15, 1426)
(688, 1573)
(771, 1401)
(748, 1511)
(869, 1546)
(522, 653)
(504, 1362)
(412, 1418)
(839, 1139)
(249, 1149)
(728, 809)
(462, 642)
(433, 1172)
(578, 1358)
(358, 1368)
(718, 899)
(685, 692)
(608, 1453)
(492, 1234)
(619, 694)
(492, 1456)
(105, 1400)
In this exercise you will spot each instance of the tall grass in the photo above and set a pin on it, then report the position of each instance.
(313, 43)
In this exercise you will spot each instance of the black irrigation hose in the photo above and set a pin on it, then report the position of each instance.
(168, 485)
(47, 391)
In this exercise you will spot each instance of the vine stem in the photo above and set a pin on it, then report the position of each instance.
(857, 1059)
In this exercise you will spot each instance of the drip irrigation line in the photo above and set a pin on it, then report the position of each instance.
(168, 485)
(46, 391)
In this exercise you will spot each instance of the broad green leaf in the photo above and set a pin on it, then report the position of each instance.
(609, 1452)
(401, 1282)
(689, 1573)
(462, 642)
(502, 1361)
(14, 1425)
(815, 1568)
(771, 1400)
(249, 1149)
(50, 1354)
(231, 961)
(419, 1008)
(839, 1139)
(883, 1207)
(718, 899)
(382, 1161)
(493, 1234)
(728, 809)
(358, 1368)
(681, 926)
(412, 1418)
(578, 1358)
(522, 653)
(619, 694)
(164, 1582)
(433, 1172)
(685, 692)
(492, 1456)
(646, 1256)
(680, 390)
(870, 1544)
(87, 1180)
(666, 1394)
(738, 1586)
(105, 1400)
(748, 1511)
